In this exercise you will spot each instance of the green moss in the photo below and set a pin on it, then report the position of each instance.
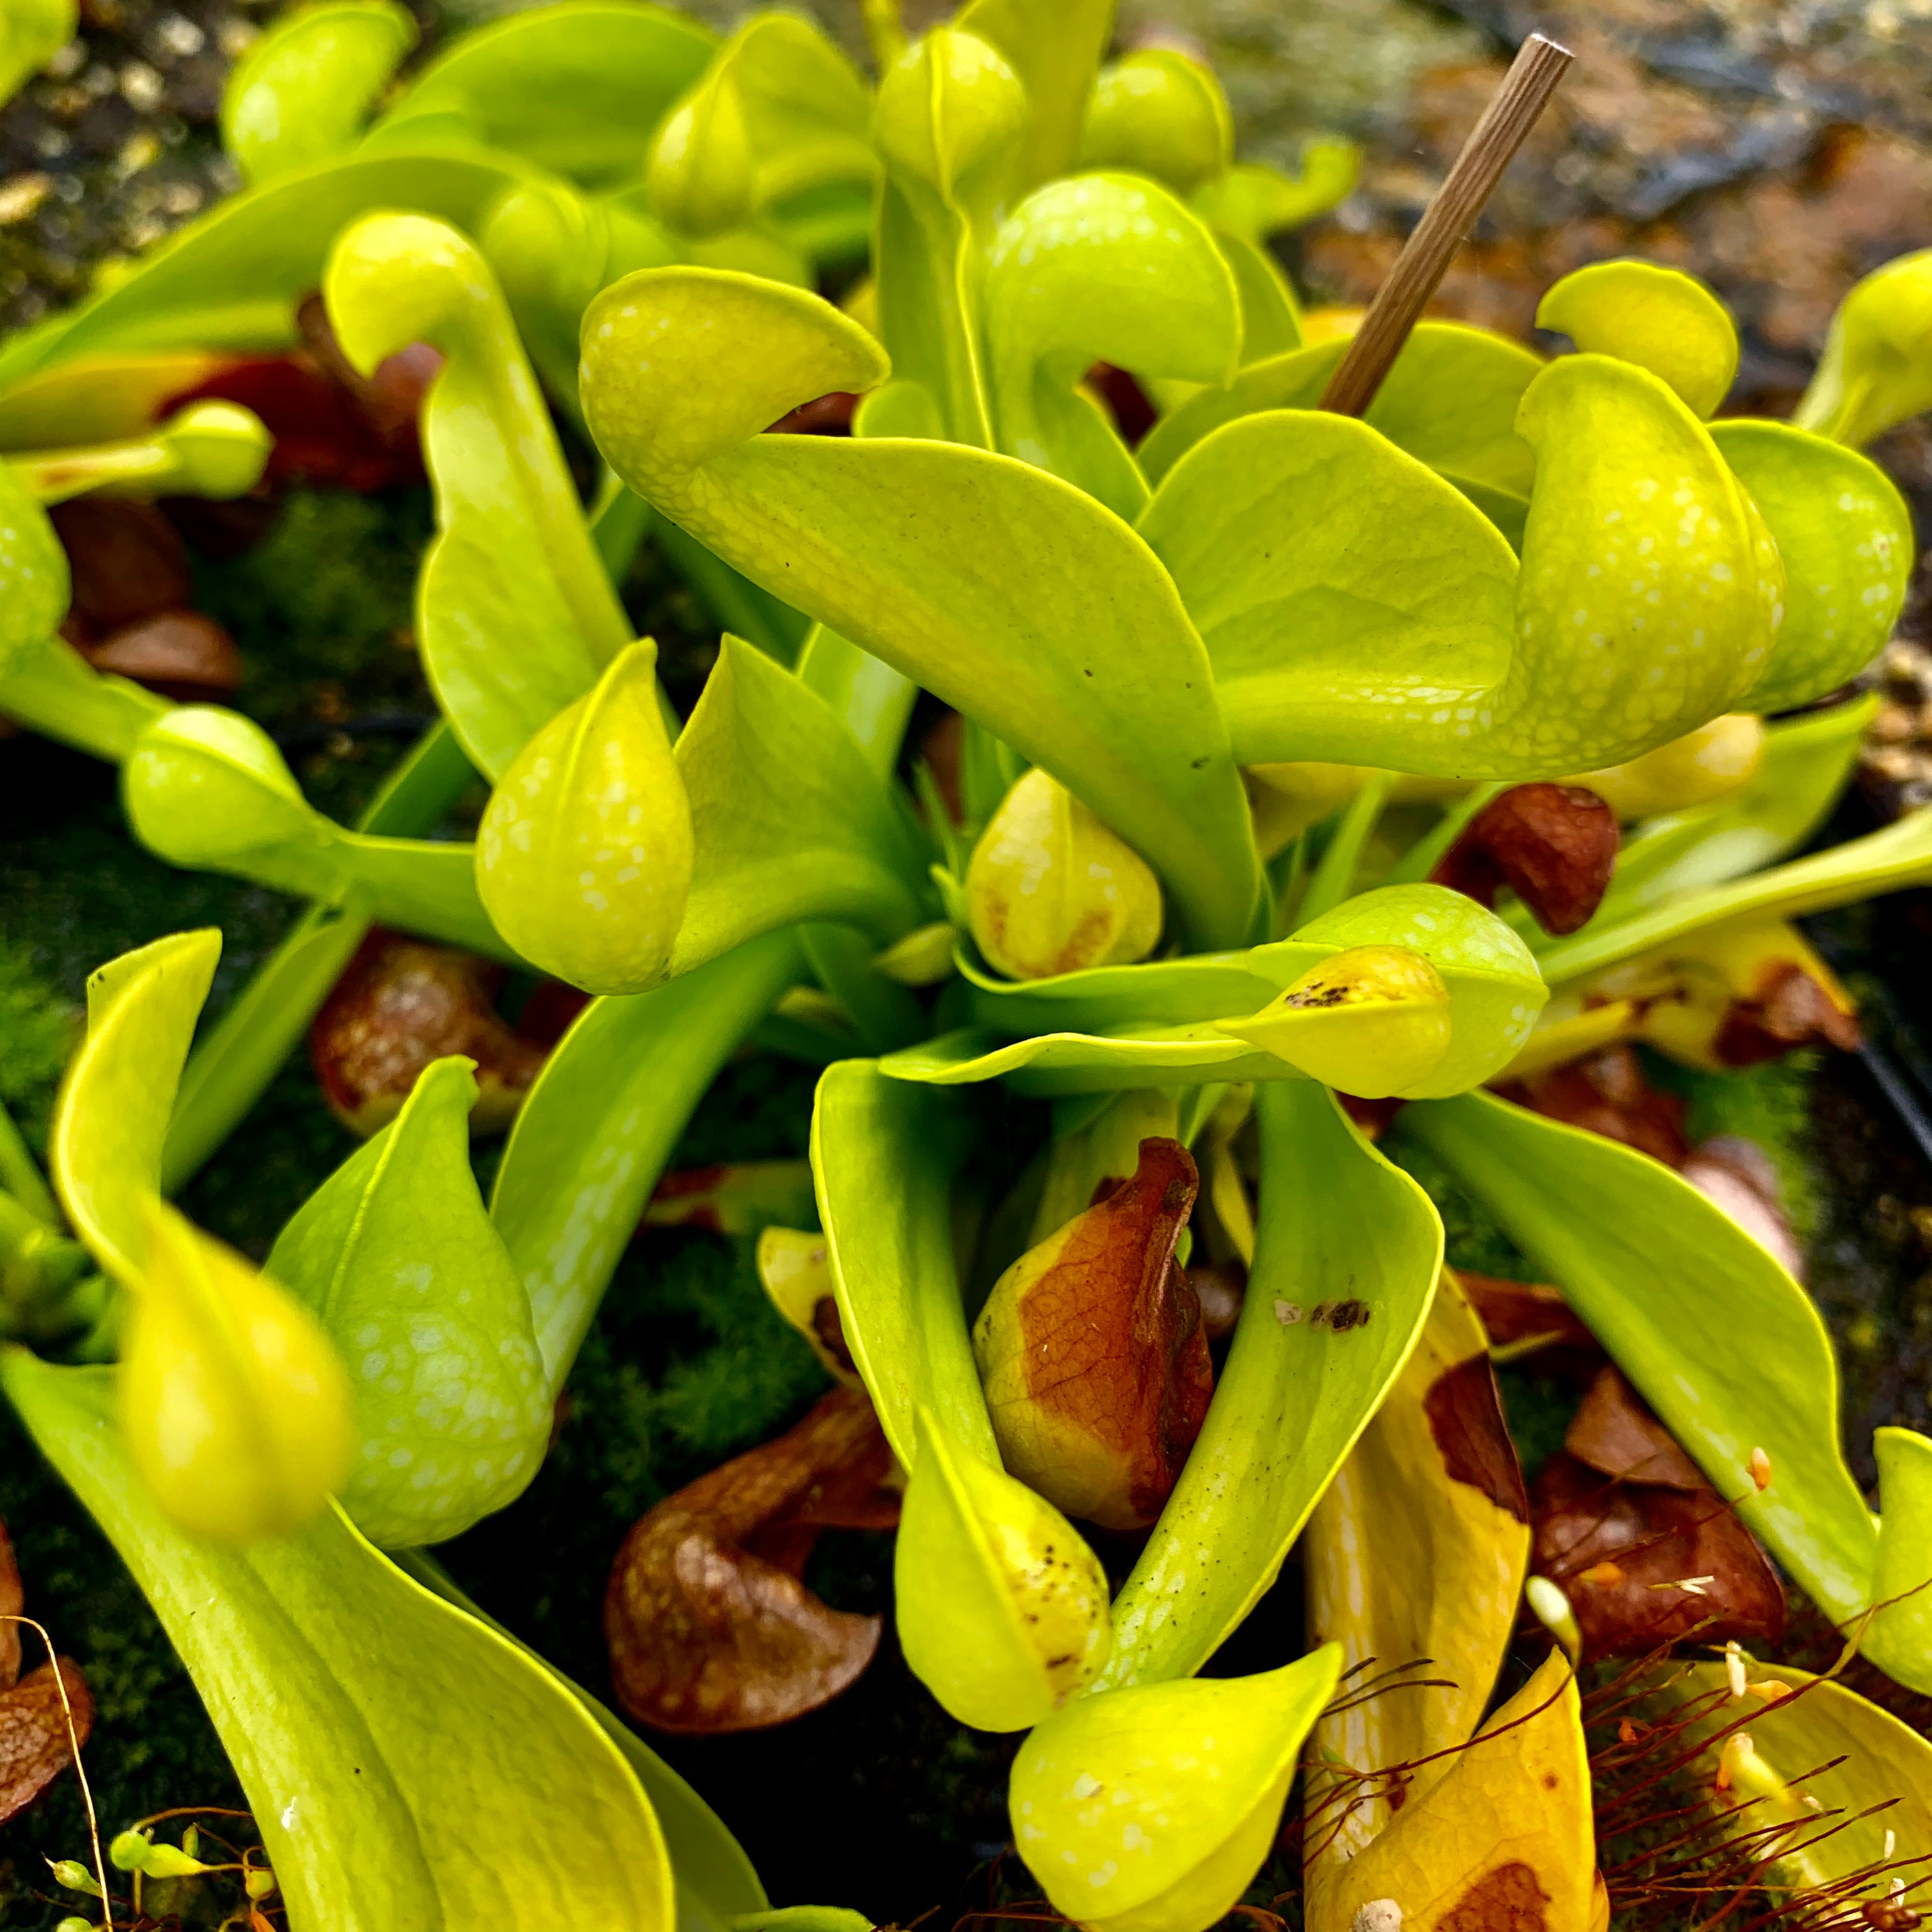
(1769, 1105)
(37, 1030)
(1471, 1237)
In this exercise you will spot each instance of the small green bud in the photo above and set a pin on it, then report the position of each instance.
(1373, 1020)
(220, 448)
(236, 1412)
(1050, 889)
(1160, 113)
(191, 1841)
(170, 1862)
(702, 175)
(950, 109)
(74, 1875)
(260, 1882)
(923, 957)
(73, 1924)
(584, 855)
(1151, 1808)
(127, 1851)
(1002, 1608)
(204, 786)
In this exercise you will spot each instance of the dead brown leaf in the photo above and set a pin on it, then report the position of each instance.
(400, 1003)
(1607, 1093)
(1645, 1564)
(709, 1628)
(181, 654)
(1615, 1432)
(1554, 845)
(1464, 1413)
(1092, 1352)
(36, 1744)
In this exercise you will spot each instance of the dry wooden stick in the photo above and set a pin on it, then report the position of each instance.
(1446, 220)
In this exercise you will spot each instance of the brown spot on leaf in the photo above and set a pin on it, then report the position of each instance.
(1618, 1548)
(401, 1003)
(709, 1628)
(1465, 1418)
(1555, 845)
(1506, 1900)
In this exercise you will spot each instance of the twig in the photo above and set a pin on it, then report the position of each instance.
(1425, 257)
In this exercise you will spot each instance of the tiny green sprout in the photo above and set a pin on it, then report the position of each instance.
(923, 957)
(1552, 1610)
(73, 1875)
(127, 1851)
(71, 1924)
(171, 1862)
(1050, 889)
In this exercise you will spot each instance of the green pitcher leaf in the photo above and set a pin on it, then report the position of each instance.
(1416, 1556)
(1056, 52)
(1346, 1262)
(235, 1410)
(1172, 992)
(779, 111)
(967, 571)
(1898, 1639)
(514, 610)
(597, 1127)
(950, 114)
(1393, 580)
(575, 88)
(1270, 315)
(1253, 200)
(1869, 1775)
(717, 1888)
(1886, 861)
(205, 788)
(1495, 991)
(300, 94)
(1876, 370)
(1450, 399)
(408, 1735)
(34, 586)
(232, 279)
(35, 31)
(1845, 536)
(1151, 1809)
(1727, 1349)
(105, 1147)
(583, 855)
(396, 1255)
(1100, 268)
(1159, 112)
(790, 821)
(51, 688)
(883, 1155)
(1048, 1065)
(1660, 319)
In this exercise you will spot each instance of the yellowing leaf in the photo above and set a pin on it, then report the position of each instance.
(1503, 1838)
(1415, 1557)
